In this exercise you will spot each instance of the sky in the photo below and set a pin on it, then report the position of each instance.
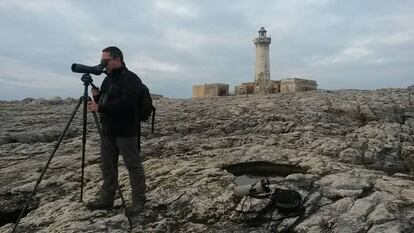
(172, 45)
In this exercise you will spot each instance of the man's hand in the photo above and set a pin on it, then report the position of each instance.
(92, 106)
(95, 91)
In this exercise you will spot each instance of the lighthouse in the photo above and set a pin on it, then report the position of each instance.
(262, 83)
(262, 68)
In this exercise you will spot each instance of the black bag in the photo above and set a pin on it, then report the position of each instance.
(287, 201)
(145, 110)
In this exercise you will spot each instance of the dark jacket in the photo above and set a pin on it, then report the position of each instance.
(118, 100)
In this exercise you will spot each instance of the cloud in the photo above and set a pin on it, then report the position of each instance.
(174, 44)
(176, 8)
(15, 73)
(350, 54)
(398, 39)
(62, 8)
(147, 64)
(369, 49)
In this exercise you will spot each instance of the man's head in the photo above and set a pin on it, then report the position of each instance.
(113, 58)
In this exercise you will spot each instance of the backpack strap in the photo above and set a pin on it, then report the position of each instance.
(139, 137)
(153, 119)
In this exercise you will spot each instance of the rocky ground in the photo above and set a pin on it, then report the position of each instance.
(349, 153)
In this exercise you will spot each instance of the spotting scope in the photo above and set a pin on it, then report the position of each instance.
(96, 70)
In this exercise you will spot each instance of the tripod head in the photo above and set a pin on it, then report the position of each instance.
(87, 80)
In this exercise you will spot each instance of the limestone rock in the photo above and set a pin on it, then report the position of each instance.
(353, 151)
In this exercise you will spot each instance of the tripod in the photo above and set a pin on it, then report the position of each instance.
(87, 80)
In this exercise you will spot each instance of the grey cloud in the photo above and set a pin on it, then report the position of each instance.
(341, 44)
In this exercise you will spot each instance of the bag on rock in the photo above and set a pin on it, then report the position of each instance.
(287, 201)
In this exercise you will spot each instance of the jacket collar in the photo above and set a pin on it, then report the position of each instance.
(121, 70)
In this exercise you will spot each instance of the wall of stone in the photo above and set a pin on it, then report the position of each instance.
(267, 87)
(275, 86)
(296, 85)
(209, 90)
(244, 88)
(198, 91)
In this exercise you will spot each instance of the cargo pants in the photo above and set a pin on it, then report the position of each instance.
(111, 148)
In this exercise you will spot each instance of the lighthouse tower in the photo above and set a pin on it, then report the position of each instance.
(262, 68)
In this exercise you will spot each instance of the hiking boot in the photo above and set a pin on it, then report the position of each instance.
(103, 202)
(135, 209)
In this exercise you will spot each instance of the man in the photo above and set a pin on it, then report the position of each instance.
(117, 102)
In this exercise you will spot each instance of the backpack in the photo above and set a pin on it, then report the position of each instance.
(145, 109)
(287, 201)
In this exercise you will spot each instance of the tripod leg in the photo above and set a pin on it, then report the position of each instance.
(85, 111)
(47, 165)
(119, 187)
